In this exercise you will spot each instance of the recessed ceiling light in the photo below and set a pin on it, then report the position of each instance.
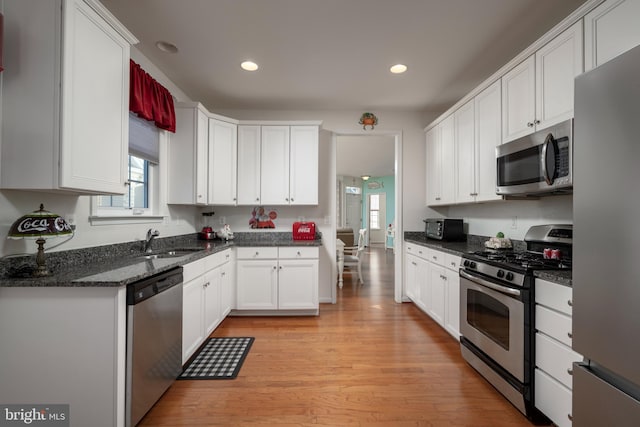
(398, 69)
(166, 47)
(249, 66)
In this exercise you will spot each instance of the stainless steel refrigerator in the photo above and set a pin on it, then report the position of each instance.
(606, 244)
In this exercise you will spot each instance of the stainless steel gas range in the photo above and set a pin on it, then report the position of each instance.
(497, 310)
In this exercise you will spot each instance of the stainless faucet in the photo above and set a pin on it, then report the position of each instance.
(150, 235)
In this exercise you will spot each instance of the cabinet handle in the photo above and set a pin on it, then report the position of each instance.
(205, 285)
(227, 256)
(257, 199)
(286, 198)
(292, 199)
(570, 417)
(437, 198)
(570, 335)
(223, 273)
(537, 122)
(570, 371)
(257, 253)
(414, 263)
(299, 254)
(570, 303)
(235, 198)
(453, 264)
(274, 267)
(280, 267)
(529, 124)
(435, 257)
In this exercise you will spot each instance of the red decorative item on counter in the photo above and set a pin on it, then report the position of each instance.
(304, 230)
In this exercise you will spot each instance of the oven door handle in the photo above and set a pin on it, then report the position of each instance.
(499, 288)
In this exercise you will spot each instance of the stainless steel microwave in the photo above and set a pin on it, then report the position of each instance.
(538, 163)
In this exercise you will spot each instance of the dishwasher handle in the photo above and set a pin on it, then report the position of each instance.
(142, 290)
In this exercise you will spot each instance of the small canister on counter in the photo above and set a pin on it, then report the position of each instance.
(556, 254)
(546, 253)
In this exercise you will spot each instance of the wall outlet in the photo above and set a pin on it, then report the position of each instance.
(223, 220)
(514, 222)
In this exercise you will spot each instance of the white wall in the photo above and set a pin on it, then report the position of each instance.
(14, 204)
(489, 218)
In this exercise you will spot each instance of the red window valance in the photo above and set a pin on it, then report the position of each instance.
(150, 100)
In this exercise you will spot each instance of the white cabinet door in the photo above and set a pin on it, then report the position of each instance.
(222, 162)
(227, 289)
(257, 284)
(54, 133)
(303, 173)
(298, 284)
(438, 284)
(274, 165)
(192, 315)
(448, 161)
(518, 100)
(211, 300)
(249, 165)
(488, 133)
(94, 135)
(412, 278)
(452, 312)
(609, 30)
(432, 162)
(464, 119)
(557, 65)
(187, 162)
(424, 283)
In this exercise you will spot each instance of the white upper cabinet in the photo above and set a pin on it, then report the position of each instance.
(538, 92)
(303, 168)
(274, 165)
(222, 162)
(465, 152)
(187, 167)
(249, 164)
(609, 30)
(488, 135)
(441, 174)
(55, 134)
(278, 164)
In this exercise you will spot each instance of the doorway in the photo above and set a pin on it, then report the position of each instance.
(361, 152)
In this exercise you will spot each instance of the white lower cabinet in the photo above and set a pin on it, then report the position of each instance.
(270, 278)
(205, 300)
(554, 356)
(433, 284)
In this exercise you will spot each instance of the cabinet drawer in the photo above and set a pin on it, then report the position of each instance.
(555, 296)
(554, 324)
(452, 262)
(218, 259)
(417, 250)
(193, 269)
(555, 359)
(257, 253)
(553, 399)
(292, 252)
(437, 257)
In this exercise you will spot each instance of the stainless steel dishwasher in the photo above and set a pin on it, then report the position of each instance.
(154, 340)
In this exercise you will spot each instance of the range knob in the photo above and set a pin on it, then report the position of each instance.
(466, 263)
(472, 264)
(500, 274)
(509, 276)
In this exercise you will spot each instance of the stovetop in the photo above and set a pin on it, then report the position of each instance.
(520, 261)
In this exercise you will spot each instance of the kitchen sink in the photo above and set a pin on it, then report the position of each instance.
(170, 253)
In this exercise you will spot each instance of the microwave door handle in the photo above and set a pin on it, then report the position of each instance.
(486, 283)
(548, 142)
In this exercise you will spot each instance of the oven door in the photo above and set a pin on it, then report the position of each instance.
(492, 318)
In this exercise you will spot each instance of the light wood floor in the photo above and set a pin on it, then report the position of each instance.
(365, 361)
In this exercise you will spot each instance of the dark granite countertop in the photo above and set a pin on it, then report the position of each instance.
(476, 243)
(122, 264)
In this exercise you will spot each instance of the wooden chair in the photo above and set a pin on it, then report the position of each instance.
(353, 254)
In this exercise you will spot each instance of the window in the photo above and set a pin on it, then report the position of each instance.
(141, 195)
(352, 190)
(137, 195)
(374, 211)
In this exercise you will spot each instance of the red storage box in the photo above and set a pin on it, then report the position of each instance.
(304, 230)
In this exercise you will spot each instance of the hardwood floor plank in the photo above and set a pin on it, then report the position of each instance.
(365, 361)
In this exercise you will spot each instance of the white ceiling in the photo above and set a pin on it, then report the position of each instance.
(335, 54)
